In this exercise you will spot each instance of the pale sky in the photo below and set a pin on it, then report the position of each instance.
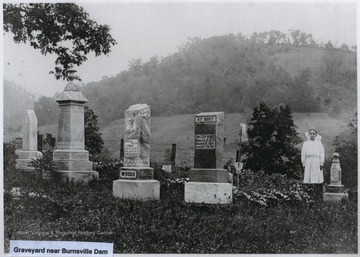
(143, 30)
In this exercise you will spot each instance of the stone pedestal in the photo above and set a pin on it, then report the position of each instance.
(335, 191)
(334, 197)
(209, 182)
(136, 177)
(210, 193)
(209, 175)
(24, 159)
(137, 189)
(70, 157)
(29, 143)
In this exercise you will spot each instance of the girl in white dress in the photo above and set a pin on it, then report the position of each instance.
(312, 158)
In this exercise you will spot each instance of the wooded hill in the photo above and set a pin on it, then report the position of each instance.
(229, 73)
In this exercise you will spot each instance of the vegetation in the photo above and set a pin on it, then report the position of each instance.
(272, 139)
(271, 214)
(348, 151)
(93, 141)
(51, 27)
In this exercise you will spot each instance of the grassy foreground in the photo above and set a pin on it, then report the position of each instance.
(268, 215)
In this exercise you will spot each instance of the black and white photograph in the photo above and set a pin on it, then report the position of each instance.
(179, 127)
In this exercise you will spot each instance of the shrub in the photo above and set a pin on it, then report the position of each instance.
(272, 138)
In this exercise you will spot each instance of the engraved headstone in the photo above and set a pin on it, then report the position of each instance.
(29, 142)
(70, 157)
(209, 182)
(136, 177)
(335, 191)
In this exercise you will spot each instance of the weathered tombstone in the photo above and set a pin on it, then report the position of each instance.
(335, 191)
(167, 168)
(136, 177)
(208, 180)
(70, 157)
(28, 150)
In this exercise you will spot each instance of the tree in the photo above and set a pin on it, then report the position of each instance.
(52, 27)
(93, 141)
(272, 138)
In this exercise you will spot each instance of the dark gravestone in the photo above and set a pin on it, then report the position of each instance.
(209, 182)
(209, 140)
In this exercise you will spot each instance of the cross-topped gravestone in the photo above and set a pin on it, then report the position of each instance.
(136, 177)
(208, 180)
(29, 142)
(70, 157)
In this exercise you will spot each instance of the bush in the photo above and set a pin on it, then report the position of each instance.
(108, 171)
(272, 139)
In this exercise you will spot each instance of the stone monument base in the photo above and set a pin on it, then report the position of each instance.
(335, 189)
(209, 175)
(211, 193)
(25, 158)
(139, 173)
(334, 197)
(76, 176)
(137, 189)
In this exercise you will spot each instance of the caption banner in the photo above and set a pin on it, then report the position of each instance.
(60, 248)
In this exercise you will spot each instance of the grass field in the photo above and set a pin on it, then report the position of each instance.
(293, 222)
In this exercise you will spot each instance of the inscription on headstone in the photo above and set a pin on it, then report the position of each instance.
(209, 140)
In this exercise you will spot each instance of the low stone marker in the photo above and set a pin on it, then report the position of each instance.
(70, 157)
(208, 180)
(335, 191)
(28, 150)
(136, 177)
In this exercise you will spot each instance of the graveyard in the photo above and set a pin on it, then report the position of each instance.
(145, 209)
(200, 151)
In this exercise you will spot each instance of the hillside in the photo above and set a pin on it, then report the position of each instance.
(231, 73)
(179, 129)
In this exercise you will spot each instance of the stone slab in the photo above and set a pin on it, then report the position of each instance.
(209, 193)
(142, 173)
(76, 176)
(71, 155)
(23, 165)
(335, 189)
(29, 131)
(209, 175)
(136, 189)
(334, 197)
(28, 154)
(167, 168)
(78, 165)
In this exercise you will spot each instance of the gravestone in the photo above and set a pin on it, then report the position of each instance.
(70, 157)
(28, 150)
(335, 191)
(208, 181)
(136, 177)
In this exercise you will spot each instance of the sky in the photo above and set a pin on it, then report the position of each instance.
(144, 30)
